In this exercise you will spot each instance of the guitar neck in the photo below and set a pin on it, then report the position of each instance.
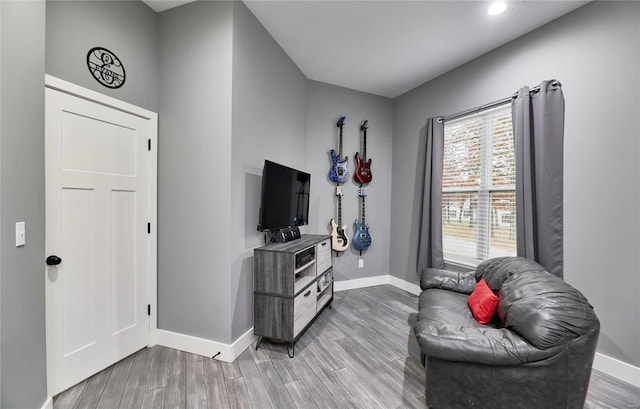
(340, 143)
(362, 207)
(364, 146)
(339, 211)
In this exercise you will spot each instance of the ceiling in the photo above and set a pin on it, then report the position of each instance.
(388, 47)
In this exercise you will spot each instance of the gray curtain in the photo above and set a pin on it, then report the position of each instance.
(538, 130)
(430, 243)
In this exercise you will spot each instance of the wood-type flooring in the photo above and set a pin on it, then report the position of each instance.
(361, 353)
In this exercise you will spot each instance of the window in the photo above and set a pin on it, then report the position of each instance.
(478, 187)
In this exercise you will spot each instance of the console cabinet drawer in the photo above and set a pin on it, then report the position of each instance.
(304, 307)
(323, 256)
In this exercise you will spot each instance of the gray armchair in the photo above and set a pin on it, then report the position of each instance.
(536, 353)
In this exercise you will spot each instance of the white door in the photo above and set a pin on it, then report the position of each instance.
(98, 204)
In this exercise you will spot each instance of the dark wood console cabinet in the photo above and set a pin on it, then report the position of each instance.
(292, 284)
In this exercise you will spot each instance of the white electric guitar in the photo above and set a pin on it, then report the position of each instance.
(339, 240)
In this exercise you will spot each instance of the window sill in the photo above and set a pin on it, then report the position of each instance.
(460, 265)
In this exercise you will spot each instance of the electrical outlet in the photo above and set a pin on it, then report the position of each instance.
(360, 263)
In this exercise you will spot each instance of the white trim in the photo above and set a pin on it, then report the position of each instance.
(206, 347)
(461, 264)
(48, 404)
(242, 343)
(229, 352)
(377, 280)
(90, 95)
(405, 285)
(152, 296)
(618, 369)
(360, 283)
(69, 88)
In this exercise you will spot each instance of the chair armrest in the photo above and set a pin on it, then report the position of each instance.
(447, 280)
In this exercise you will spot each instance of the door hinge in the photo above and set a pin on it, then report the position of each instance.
(149, 228)
(149, 144)
(149, 309)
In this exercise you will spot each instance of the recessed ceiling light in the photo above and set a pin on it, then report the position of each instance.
(497, 8)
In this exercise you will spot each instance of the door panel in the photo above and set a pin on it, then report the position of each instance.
(123, 260)
(93, 145)
(98, 205)
(78, 311)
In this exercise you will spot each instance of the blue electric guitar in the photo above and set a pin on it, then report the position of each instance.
(362, 238)
(340, 170)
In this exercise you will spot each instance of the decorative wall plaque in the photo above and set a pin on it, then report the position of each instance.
(105, 67)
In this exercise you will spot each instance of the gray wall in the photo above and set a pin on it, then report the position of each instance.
(229, 97)
(22, 347)
(275, 114)
(594, 52)
(194, 170)
(127, 28)
(325, 104)
(269, 100)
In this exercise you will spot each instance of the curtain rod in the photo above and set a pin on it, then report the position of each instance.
(476, 110)
(491, 105)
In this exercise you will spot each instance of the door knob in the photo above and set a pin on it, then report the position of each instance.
(53, 260)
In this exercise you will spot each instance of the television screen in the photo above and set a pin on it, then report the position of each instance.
(285, 197)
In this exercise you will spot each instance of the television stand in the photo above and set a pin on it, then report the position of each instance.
(292, 285)
(284, 235)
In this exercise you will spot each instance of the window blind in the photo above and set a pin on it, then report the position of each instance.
(478, 187)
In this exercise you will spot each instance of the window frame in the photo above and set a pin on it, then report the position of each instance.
(484, 190)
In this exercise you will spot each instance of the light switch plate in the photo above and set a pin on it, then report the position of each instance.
(360, 263)
(21, 235)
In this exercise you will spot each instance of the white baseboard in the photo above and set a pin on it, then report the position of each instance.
(360, 283)
(377, 280)
(229, 352)
(205, 347)
(48, 404)
(405, 285)
(618, 369)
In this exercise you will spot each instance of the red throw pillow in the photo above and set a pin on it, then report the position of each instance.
(483, 302)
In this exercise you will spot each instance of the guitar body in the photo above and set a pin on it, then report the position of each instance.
(340, 170)
(362, 238)
(363, 170)
(339, 240)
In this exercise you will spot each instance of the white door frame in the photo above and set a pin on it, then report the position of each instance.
(87, 94)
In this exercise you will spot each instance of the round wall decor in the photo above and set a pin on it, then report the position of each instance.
(105, 67)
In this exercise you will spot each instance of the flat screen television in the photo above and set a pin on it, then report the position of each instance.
(284, 201)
